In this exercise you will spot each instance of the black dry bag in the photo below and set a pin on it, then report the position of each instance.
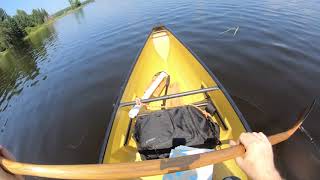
(159, 132)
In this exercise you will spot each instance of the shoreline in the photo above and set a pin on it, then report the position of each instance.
(53, 19)
(37, 28)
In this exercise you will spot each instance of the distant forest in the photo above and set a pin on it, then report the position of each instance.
(14, 28)
(73, 4)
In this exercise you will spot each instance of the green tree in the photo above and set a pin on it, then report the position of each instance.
(44, 13)
(23, 20)
(10, 33)
(39, 16)
(3, 14)
(74, 3)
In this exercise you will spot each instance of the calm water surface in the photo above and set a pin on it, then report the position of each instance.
(57, 90)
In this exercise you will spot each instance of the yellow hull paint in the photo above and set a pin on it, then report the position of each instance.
(164, 52)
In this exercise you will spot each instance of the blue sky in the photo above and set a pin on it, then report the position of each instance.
(51, 6)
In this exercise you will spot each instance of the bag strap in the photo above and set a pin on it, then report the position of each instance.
(204, 112)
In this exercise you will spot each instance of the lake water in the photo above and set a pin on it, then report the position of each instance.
(57, 91)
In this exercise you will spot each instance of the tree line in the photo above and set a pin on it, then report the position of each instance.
(73, 4)
(14, 28)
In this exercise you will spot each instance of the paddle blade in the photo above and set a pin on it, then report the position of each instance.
(275, 139)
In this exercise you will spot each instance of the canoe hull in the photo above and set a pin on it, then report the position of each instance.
(162, 51)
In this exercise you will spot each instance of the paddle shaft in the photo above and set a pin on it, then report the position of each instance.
(142, 168)
(134, 169)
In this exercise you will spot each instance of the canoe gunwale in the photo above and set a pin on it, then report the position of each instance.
(122, 89)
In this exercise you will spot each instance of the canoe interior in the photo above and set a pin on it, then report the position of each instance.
(163, 52)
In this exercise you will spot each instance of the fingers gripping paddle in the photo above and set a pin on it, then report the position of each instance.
(142, 168)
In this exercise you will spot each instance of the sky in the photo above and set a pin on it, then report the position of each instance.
(51, 6)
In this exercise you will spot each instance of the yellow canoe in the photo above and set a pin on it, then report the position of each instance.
(163, 52)
(165, 75)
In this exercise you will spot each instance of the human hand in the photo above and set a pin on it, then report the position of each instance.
(4, 153)
(257, 161)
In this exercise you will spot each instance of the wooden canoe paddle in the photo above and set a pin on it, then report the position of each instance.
(142, 168)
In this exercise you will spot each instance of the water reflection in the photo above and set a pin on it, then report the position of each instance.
(40, 41)
(18, 67)
(79, 15)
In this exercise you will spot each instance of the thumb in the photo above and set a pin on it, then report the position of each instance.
(6, 154)
(239, 161)
(232, 143)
